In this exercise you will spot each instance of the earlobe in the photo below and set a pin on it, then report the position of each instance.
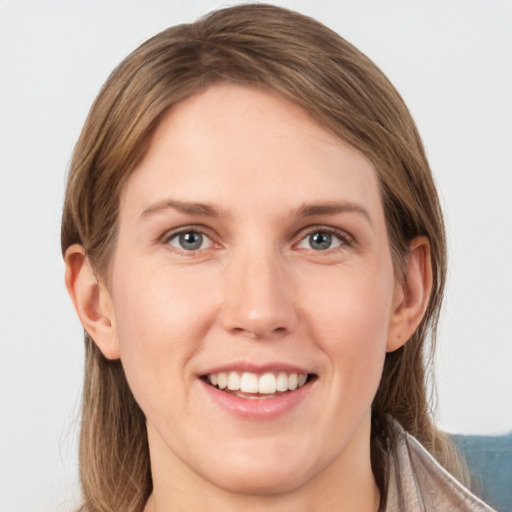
(92, 301)
(411, 295)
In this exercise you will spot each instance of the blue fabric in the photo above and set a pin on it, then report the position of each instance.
(489, 459)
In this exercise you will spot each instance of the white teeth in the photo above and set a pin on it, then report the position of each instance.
(222, 380)
(293, 381)
(282, 382)
(248, 382)
(266, 384)
(233, 381)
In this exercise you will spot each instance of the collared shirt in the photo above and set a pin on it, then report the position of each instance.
(418, 483)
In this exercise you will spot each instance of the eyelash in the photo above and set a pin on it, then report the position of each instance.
(346, 240)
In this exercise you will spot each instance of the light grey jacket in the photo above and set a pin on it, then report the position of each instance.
(418, 483)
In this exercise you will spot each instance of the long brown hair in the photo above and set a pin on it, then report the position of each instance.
(310, 65)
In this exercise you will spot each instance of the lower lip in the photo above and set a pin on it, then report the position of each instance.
(260, 408)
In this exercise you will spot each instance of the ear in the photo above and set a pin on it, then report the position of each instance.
(411, 294)
(92, 301)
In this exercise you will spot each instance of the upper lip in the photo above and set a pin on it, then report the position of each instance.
(246, 366)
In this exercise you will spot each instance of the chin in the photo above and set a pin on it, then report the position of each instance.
(260, 481)
(260, 470)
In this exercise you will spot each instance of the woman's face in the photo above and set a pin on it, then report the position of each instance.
(252, 254)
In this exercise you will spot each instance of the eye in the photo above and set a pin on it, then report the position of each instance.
(189, 240)
(321, 240)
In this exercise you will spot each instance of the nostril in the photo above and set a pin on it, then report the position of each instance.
(259, 334)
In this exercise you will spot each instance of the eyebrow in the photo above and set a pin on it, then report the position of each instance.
(208, 210)
(188, 208)
(333, 208)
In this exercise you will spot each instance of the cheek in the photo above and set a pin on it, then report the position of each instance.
(156, 307)
(158, 328)
(350, 318)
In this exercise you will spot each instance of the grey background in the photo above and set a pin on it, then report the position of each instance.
(452, 62)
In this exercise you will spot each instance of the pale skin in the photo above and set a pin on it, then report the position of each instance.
(256, 183)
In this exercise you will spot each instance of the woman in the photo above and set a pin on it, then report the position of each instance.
(255, 248)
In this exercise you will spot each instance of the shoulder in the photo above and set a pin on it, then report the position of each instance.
(417, 482)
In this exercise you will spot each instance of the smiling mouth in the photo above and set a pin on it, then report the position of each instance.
(253, 386)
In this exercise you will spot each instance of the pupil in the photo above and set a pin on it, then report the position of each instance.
(191, 240)
(320, 241)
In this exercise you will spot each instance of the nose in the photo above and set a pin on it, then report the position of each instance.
(258, 297)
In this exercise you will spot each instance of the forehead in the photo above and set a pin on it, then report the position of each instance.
(251, 146)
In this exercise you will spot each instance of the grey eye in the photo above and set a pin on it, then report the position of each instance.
(320, 241)
(190, 241)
